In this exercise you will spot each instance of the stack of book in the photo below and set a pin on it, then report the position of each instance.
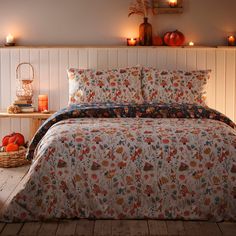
(25, 105)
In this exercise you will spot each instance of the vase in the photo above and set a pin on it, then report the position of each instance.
(145, 33)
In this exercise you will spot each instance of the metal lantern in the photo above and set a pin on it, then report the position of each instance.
(24, 90)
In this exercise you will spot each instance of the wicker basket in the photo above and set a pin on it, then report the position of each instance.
(13, 159)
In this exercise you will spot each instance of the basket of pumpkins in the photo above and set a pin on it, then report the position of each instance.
(13, 151)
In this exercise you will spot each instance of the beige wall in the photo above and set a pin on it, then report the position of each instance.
(105, 22)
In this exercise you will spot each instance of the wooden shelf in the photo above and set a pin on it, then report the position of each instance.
(169, 10)
(164, 8)
(36, 119)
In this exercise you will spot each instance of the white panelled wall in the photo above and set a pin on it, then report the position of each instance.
(50, 66)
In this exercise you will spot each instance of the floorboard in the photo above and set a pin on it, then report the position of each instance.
(48, 229)
(12, 179)
(11, 229)
(228, 228)
(103, 228)
(30, 228)
(157, 228)
(84, 228)
(66, 228)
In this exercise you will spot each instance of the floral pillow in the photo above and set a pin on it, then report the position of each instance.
(105, 86)
(163, 86)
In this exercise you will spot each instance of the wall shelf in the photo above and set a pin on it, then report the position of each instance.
(164, 8)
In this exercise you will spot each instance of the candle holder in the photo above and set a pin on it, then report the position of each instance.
(9, 44)
(9, 41)
(173, 3)
(131, 41)
(24, 89)
(231, 40)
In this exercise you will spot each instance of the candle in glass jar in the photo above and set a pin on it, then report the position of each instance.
(191, 44)
(43, 103)
(9, 39)
(131, 41)
(231, 40)
(173, 3)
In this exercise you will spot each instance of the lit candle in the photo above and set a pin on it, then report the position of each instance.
(191, 44)
(173, 3)
(231, 40)
(43, 103)
(131, 41)
(9, 39)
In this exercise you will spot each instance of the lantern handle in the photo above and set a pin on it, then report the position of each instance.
(24, 63)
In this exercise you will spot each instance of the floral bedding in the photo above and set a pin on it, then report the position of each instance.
(175, 86)
(98, 86)
(130, 162)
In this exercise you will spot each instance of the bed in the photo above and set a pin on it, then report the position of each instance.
(150, 160)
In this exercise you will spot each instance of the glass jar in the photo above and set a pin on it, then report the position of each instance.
(145, 33)
(24, 89)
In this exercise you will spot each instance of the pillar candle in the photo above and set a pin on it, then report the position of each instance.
(173, 3)
(42, 103)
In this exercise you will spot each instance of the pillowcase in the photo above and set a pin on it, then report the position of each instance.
(163, 86)
(105, 86)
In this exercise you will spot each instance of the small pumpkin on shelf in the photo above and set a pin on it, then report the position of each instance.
(174, 38)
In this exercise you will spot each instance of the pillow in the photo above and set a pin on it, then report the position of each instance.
(105, 86)
(163, 86)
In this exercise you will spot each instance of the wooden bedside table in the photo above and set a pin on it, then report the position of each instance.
(36, 119)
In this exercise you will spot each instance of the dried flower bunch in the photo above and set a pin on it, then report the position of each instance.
(143, 7)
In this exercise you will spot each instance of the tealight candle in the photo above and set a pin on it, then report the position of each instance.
(10, 40)
(173, 3)
(231, 40)
(131, 41)
(42, 103)
(191, 44)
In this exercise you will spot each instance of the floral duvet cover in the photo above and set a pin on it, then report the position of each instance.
(130, 162)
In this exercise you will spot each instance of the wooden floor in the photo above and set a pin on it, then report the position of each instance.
(11, 178)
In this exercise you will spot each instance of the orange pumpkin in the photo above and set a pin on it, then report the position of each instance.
(13, 138)
(12, 147)
(17, 138)
(175, 38)
(5, 140)
(157, 41)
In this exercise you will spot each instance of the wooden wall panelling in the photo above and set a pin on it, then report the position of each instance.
(35, 61)
(14, 61)
(202, 65)
(220, 80)
(102, 59)
(83, 58)
(123, 57)
(162, 58)
(5, 87)
(63, 81)
(142, 56)
(171, 59)
(50, 66)
(25, 73)
(181, 59)
(132, 57)
(191, 59)
(112, 58)
(73, 58)
(54, 96)
(152, 57)
(211, 64)
(93, 58)
(230, 84)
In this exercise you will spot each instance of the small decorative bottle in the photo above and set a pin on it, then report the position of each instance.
(145, 33)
